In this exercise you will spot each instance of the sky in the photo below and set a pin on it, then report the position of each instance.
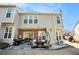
(70, 11)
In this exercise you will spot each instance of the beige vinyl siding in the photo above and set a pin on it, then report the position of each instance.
(3, 12)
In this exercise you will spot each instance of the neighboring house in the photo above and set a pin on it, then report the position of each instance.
(76, 32)
(14, 23)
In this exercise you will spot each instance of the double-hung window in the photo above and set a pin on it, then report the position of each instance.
(8, 14)
(35, 20)
(58, 20)
(30, 19)
(25, 19)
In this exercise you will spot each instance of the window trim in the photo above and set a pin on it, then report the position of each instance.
(8, 32)
(9, 12)
(28, 19)
(58, 20)
(35, 19)
(24, 19)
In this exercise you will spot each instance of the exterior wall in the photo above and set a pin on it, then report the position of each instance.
(76, 32)
(14, 27)
(76, 29)
(8, 23)
(76, 37)
(34, 31)
(16, 22)
(44, 21)
(3, 18)
(1, 33)
(48, 21)
(7, 40)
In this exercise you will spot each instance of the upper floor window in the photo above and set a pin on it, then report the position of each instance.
(35, 20)
(58, 20)
(26, 19)
(30, 19)
(8, 15)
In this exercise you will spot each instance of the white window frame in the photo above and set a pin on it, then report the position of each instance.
(27, 19)
(58, 20)
(34, 19)
(7, 32)
(7, 12)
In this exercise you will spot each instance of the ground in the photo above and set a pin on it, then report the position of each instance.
(25, 49)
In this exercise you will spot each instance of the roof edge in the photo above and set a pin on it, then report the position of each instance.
(5, 6)
(40, 13)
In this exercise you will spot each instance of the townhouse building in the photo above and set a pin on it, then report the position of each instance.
(14, 23)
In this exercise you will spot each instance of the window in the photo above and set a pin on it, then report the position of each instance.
(35, 20)
(8, 32)
(25, 19)
(43, 37)
(58, 35)
(30, 19)
(58, 20)
(8, 13)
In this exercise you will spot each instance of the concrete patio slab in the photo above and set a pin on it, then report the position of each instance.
(55, 46)
(76, 45)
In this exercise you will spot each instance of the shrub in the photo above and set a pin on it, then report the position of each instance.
(71, 39)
